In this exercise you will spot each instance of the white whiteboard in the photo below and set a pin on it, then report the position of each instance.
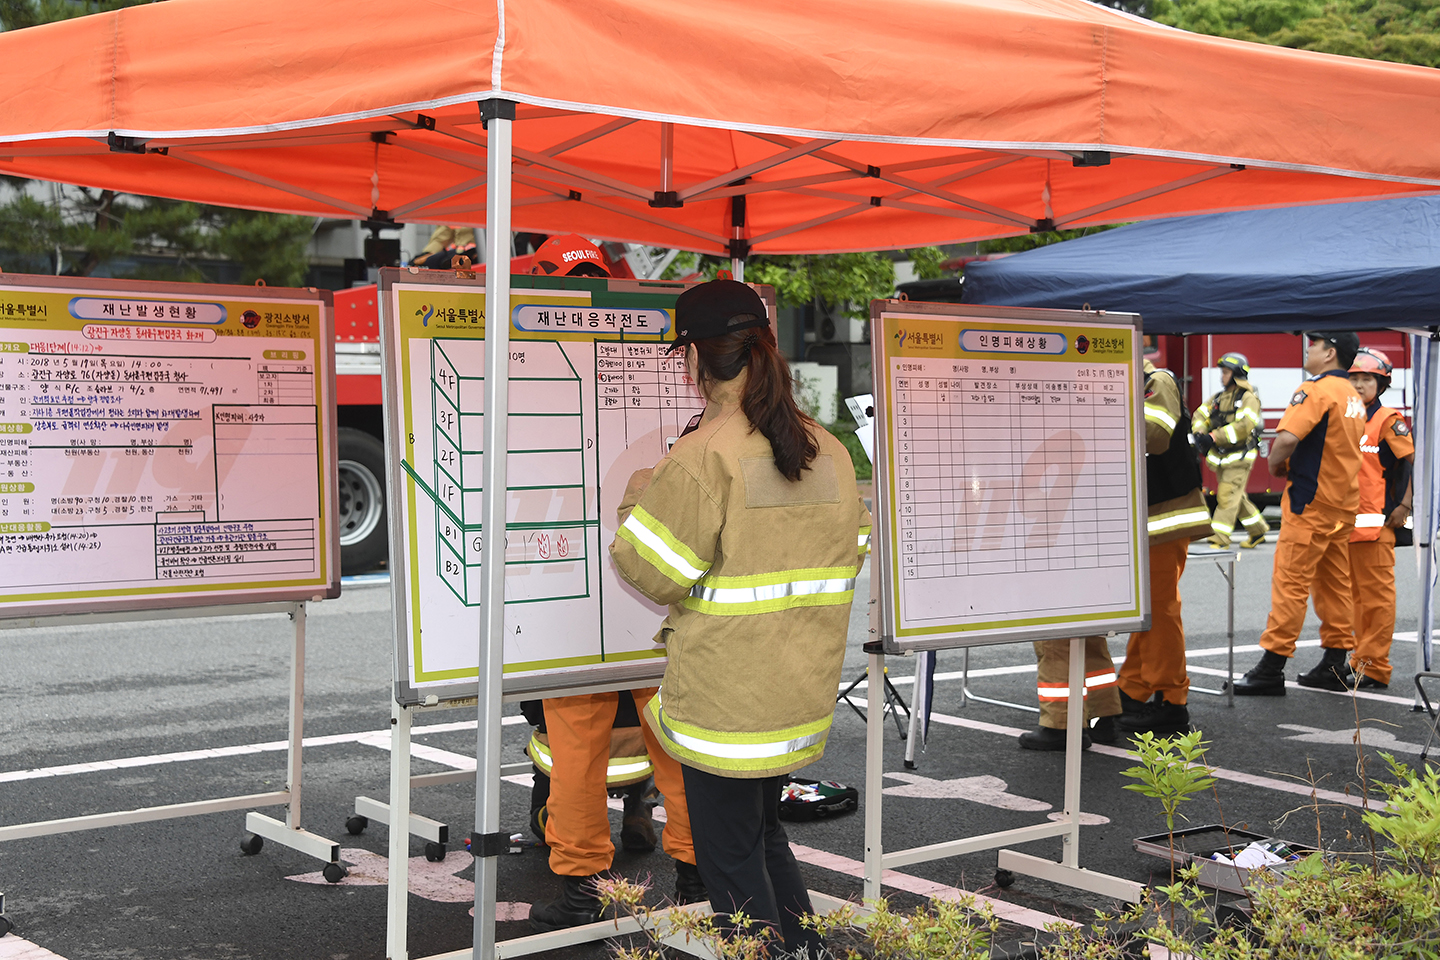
(163, 445)
(593, 397)
(1010, 474)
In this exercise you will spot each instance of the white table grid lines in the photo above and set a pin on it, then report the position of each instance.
(1006, 467)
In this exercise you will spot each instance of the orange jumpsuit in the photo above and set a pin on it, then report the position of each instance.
(1317, 514)
(578, 828)
(1386, 443)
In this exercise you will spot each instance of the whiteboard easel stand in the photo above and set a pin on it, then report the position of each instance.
(287, 833)
(1067, 872)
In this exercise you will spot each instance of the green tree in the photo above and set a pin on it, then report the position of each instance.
(89, 227)
(1402, 31)
(846, 282)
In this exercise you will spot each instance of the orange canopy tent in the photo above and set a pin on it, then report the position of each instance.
(843, 125)
(847, 124)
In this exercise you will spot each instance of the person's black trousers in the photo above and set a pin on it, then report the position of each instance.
(744, 855)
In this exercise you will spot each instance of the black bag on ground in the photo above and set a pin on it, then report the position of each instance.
(802, 799)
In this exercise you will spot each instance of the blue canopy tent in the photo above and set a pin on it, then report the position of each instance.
(1345, 266)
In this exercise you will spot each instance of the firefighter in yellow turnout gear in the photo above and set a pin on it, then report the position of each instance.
(1227, 429)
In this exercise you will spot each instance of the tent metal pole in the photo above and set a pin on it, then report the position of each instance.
(1427, 418)
(499, 115)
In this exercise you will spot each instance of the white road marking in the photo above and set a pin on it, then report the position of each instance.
(1370, 736)
(16, 948)
(1222, 773)
(368, 737)
(986, 790)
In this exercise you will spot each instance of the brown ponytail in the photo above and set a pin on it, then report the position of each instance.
(769, 398)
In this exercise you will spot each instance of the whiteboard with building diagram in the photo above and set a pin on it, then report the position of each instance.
(594, 396)
(1010, 480)
(163, 445)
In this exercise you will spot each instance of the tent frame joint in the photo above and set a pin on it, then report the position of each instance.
(496, 108)
(1043, 226)
(1091, 158)
(667, 198)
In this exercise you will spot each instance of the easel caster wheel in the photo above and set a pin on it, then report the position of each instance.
(434, 852)
(1004, 879)
(335, 872)
(356, 825)
(251, 843)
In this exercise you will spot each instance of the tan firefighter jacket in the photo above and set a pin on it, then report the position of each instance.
(1179, 512)
(1234, 414)
(759, 573)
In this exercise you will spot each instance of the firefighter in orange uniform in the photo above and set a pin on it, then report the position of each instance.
(1317, 447)
(580, 732)
(1388, 451)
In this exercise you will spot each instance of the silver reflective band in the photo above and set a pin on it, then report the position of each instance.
(1160, 416)
(542, 756)
(662, 549)
(1369, 519)
(1100, 680)
(774, 591)
(1179, 520)
(741, 751)
(620, 769)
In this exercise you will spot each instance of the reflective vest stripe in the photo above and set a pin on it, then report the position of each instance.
(1093, 681)
(1160, 415)
(715, 596)
(1369, 519)
(1174, 521)
(628, 769)
(740, 752)
(661, 549)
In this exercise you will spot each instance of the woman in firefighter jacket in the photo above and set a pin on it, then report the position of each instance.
(752, 530)
(1386, 453)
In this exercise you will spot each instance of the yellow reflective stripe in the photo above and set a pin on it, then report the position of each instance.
(1228, 432)
(768, 593)
(660, 548)
(762, 750)
(1222, 528)
(1160, 415)
(1247, 414)
(628, 768)
(1173, 521)
(540, 755)
(1229, 458)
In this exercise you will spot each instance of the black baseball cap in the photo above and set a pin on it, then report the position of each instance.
(1341, 340)
(716, 308)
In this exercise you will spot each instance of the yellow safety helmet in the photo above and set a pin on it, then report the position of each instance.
(1236, 363)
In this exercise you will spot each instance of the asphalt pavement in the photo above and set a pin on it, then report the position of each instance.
(107, 717)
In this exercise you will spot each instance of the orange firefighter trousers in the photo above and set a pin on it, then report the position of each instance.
(578, 828)
(1312, 558)
(1102, 698)
(1155, 660)
(1372, 578)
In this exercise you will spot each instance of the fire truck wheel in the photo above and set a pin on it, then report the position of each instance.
(363, 533)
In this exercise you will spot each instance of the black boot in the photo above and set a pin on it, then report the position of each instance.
(689, 888)
(1331, 673)
(637, 829)
(1129, 705)
(1159, 717)
(1103, 730)
(578, 904)
(1265, 679)
(1047, 738)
